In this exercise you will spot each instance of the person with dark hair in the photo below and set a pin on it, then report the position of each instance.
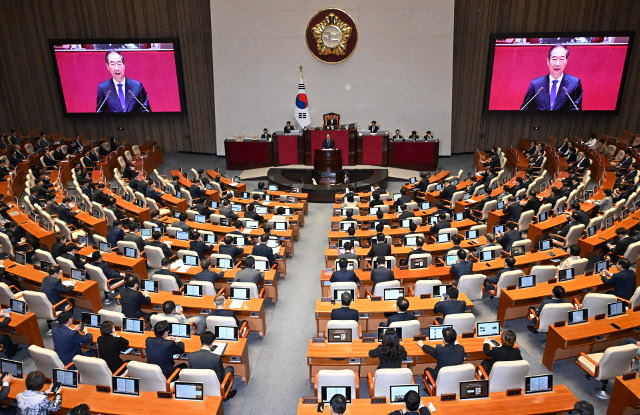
(206, 359)
(379, 247)
(111, 345)
(115, 233)
(108, 272)
(509, 265)
(506, 352)
(249, 273)
(461, 266)
(402, 305)
(263, 250)
(557, 294)
(623, 281)
(53, 288)
(343, 274)
(449, 305)
(197, 244)
(119, 94)
(381, 273)
(82, 409)
(64, 211)
(512, 235)
(512, 211)
(68, 342)
(345, 312)
(349, 253)
(412, 405)
(132, 236)
(181, 223)
(556, 91)
(207, 274)
(390, 352)
(617, 250)
(229, 248)
(574, 255)
(162, 347)
(156, 242)
(132, 299)
(34, 402)
(447, 354)
(416, 250)
(441, 224)
(225, 210)
(606, 202)
(338, 405)
(583, 408)
(72, 255)
(9, 348)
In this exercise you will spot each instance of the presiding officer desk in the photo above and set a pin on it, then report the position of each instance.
(372, 313)
(625, 396)
(514, 303)
(564, 341)
(408, 277)
(559, 400)
(113, 404)
(355, 356)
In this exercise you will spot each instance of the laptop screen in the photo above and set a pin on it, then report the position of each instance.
(193, 290)
(327, 392)
(405, 223)
(150, 286)
(566, 274)
(190, 260)
(91, 320)
(474, 389)
(578, 316)
(68, 378)
(543, 216)
(18, 306)
(382, 331)
(398, 392)
(545, 245)
(192, 391)
(132, 325)
(262, 210)
(223, 263)
(78, 274)
(239, 293)
(392, 294)
(12, 367)
(616, 309)
(252, 224)
(339, 335)
(536, 384)
(435, 332)
(145, 233)
(527, 281)
(125, 386)
(199, 219)
(488, 328)
(229, 333)
(182, 235)
(458, 216)
(180, 330)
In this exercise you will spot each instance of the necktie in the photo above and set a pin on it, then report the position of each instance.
(121, 96)
(552, 95)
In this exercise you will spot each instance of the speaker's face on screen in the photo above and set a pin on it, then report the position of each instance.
(115, 65)
(557, 61)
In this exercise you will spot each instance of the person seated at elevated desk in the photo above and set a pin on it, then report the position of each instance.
(381, 273)
(288, 127)
(373, 127)
(248, 273)
(505, 353)
(414, 135)
(343, 274)
(397, 136)
(447, 354)
(68, 342)
(557, 294)
(162, 347)
(509, 265)
(53, 288)
(132, 300)
(265, 133)
(345, 312)
(623, 281)
(449, 305)
(461, 266)
(205, 358)
(331, 123)
(390, 352)
(111, 345)
(412, 405)
(207, 274)
(402, 305)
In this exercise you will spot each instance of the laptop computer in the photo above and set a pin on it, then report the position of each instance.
(435, 332)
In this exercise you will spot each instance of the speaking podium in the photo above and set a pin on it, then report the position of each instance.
(327, 161)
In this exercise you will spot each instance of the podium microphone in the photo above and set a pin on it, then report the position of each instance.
(564, 89)
(533, 97)
(141, 104)
(105, 100)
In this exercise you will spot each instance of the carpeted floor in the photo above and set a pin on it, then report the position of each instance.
(279, 371)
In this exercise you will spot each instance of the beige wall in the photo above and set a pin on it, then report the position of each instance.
(400, 74)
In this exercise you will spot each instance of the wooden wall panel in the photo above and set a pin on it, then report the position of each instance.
(475, 20)
(28, 87)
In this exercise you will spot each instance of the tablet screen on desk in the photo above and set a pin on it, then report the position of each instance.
(392, 294)
(337, 294)
(339, 335)
(616, 309)
(383, 330)
(433, 220)
(425, 205)
(228, 333)
(209, 238)
(132, 325)
(68, 378)
(566, 274)
(193, 290)
(190, 260)
(543, 216)
(262, 265)
(537, 384)
(474, 389)
(125, 386)
(252, 224)
(96, 213)
(450, 260)
(239, 293)
(517, 250)
(262, 210)
(223, 263)
(182, 235)
(130, 253)
(578, 316)
(189, 391)
(104, 247)
(472, 234)
(91, 320)
(79, 274)
(145, 233)
(440, 290)
(214, 204)
(443, 238)
(489, 328)
(410, 241)
(591, 230)
(199, 219)
(180, 330)
(487, 255)
(498, 229)
(418, 263)
(18, 306)
(12, 367)
(327, 393)
(20, 258)
(545, 245)
(150, 286)
(280, 226)
(398, 392)
(45, 266)
(601, 266)
(435, 332)
(527, 281)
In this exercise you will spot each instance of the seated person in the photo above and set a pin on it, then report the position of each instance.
(512, 235)
(380, 247)
(249, 273)
(451, 305)
(197, 245)
(397, 136)
(447, 354)
(381, 273)
(115, 233)
(68, 342)
(412, 405)
(207, 274)
(461, 266)
(402, 305)
(506, 352)
(171, 309)
(53, 288)
(345, 312)
(219, 302)
(512, 211)
(111, 345)
(441, 224)
(623, 281)
(414, 135)
(348, 252)
(132, 299)
(229, 248)
(373, 127)
(416, 250)
(390, 352)
(162, 347)
(557, 294)
(375, 201)
(343, 274)
(156, 242)
(206, 359)
(509, 265)
(337, 405)
(181, 223)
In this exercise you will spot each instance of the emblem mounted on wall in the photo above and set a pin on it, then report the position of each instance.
(332, 35)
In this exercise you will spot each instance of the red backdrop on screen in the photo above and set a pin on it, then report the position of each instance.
(599, 68)
(81, 72)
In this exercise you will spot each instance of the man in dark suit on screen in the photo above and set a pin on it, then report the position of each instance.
(328, 143)
(557, 91)
(120, 94)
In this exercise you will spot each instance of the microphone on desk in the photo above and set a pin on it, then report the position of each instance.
(533, 97)
(105, 100)
(564, 89)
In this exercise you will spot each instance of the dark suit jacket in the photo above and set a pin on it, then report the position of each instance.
(200, 247)
(165, 249)
(65, 215)
(374, 128)
(207, 275)
(160, 352)
(422, 411)
(205, 359)
(532, 204)
(52, 287)
(114, 235)
(113, 101)
(448, 192)
(379, 249)
(344, 275)
(385, 363)
(170, 273)
(440, 225)
(249, 275)
(68, 343)
(106, 270)
(232, 250)
(624, 283)
(450, 307)
(226, 313)
(344, 313)
(109, 349)
(131, 301)
(381, 274)
(562, 103)
(509, 238)
(550, 301)
(137, 239)
(400, 317)
(622, 245)
(264, 251)
(503, 353)
(461, 268)
(328, 143)
(445, 355)
(512, 212)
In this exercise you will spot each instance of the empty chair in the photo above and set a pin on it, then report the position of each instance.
(426, 256)
(596, 303)
(575, 232)
(115, 317)
(150, 375)
(461, 322)
(425, 287)
(347, 325)
(448, 380)
(380, 383)
(45, 256)
(409, 328)
(45, 359)
(92, 370)
(632, 252)
(341, 286)
(471, 285)
(525, 243)
(210, 382)
(207, 287)
(482, 229)
(635, 298)
(506, 279)
(525, 220)
(507, 375)
(552, 313)
(154, 256)
(380, 287)
(213, 321)
(40, 305)
(6, 294)
(615, 361)
(580, 265)
(65, 265)
(543, 273)
(166, 282)
(183, 252)
(344, 377)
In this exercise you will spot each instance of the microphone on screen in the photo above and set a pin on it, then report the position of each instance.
(141, 104)
(533, 97)
(105, 100)
(564, 89)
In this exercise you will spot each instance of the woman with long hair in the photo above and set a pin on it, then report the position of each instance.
(390, 352)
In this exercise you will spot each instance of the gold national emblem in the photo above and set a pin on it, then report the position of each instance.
(332, 35)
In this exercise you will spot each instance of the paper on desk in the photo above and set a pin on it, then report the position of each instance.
(246, 230)
(236, 304)
(471, 201)
(168, 243)
(67, 283)
(218, 348)
(276, 251)
(177, 264)
(184, 268)
(233, 184)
